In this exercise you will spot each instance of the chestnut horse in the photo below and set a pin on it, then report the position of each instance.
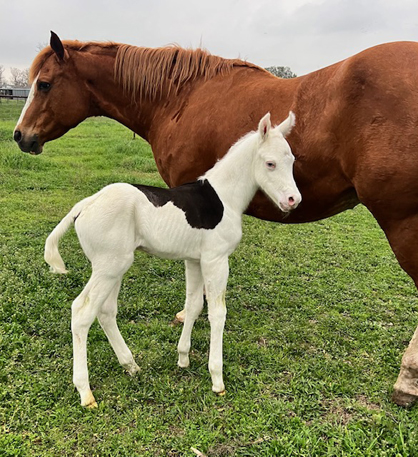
(356, 137)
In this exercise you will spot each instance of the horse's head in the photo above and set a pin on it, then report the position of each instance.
(57, 101)
(274, 163)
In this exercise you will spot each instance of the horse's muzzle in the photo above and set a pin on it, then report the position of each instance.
(27, 144)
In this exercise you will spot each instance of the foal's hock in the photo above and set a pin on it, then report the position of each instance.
(198, 222)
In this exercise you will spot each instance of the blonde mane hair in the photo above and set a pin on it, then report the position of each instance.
(150, 72)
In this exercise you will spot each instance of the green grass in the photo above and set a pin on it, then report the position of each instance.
(318, 318)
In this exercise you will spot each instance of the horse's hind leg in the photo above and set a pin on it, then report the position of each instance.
(194, 305)
(107, 320)
(403, 237)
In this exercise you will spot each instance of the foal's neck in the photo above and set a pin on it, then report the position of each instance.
(233, 176)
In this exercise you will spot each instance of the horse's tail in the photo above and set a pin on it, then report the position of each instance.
(52, 255)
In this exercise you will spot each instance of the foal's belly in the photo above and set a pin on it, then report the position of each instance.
(164, 232)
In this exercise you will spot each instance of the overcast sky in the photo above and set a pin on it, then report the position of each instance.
(303, 34)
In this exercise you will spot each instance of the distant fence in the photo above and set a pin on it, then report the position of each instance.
(13, 97)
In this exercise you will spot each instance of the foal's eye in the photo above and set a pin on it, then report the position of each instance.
(271, 165)
(43, 86)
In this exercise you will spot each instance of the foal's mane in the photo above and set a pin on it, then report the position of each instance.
(148, 72)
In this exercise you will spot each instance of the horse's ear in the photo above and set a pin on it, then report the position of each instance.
(57, 46)
(264, 126)
(286, 126)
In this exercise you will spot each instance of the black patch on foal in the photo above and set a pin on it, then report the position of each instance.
(199, 201)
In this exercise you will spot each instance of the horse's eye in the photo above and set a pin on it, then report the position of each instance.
(43, 86)
(271, 165)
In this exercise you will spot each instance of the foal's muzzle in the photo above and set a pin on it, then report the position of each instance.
(290, 203)
(27, 143)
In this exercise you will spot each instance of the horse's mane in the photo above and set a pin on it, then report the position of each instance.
(148, 71)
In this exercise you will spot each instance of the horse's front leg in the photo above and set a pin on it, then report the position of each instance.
(193, 307)
(406, 387)
(215, 275)
(403, 238)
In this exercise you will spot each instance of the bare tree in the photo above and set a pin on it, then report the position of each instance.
(2, 79)
(19, 78)
(41, 46)
(282, 72)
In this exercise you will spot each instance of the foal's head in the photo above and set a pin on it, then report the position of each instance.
(274, 163)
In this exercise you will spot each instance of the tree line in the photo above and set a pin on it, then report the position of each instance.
(18, 77)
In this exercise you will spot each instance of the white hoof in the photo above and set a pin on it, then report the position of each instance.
(180, 316)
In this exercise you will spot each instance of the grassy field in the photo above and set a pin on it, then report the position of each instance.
(318, 318)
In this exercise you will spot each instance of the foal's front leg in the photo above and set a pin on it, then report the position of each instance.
(193, 307)
(215, 275)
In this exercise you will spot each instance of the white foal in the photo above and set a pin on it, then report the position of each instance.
(199, 222)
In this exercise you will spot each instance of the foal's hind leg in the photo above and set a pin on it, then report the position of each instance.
(85, 308)
(107, 320)
(194, 305)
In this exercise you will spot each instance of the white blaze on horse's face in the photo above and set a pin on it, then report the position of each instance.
(274, 164)
(28, 102)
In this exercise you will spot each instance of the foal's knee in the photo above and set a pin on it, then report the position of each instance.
(217, 313)
(82, 315)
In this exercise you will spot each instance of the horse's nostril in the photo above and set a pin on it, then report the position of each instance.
(291, 201)
(17, 136)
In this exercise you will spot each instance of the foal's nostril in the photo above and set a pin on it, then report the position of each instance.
(17, 136)
(291, 201)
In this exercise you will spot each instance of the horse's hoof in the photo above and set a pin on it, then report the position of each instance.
(403, 399)
(221, 394)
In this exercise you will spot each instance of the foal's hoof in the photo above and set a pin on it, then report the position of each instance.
(219, 391)
(88, 400)
(132, 369)
(403, 399)
(92, 405)
(183, 361)
(181, 315)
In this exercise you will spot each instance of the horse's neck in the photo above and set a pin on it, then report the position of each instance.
(233, 176)
(108, 98)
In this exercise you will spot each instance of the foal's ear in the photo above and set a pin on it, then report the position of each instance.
(286, 126)
(57, 46)
(264, 126)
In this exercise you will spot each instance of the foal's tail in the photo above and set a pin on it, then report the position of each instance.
(52, 255)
